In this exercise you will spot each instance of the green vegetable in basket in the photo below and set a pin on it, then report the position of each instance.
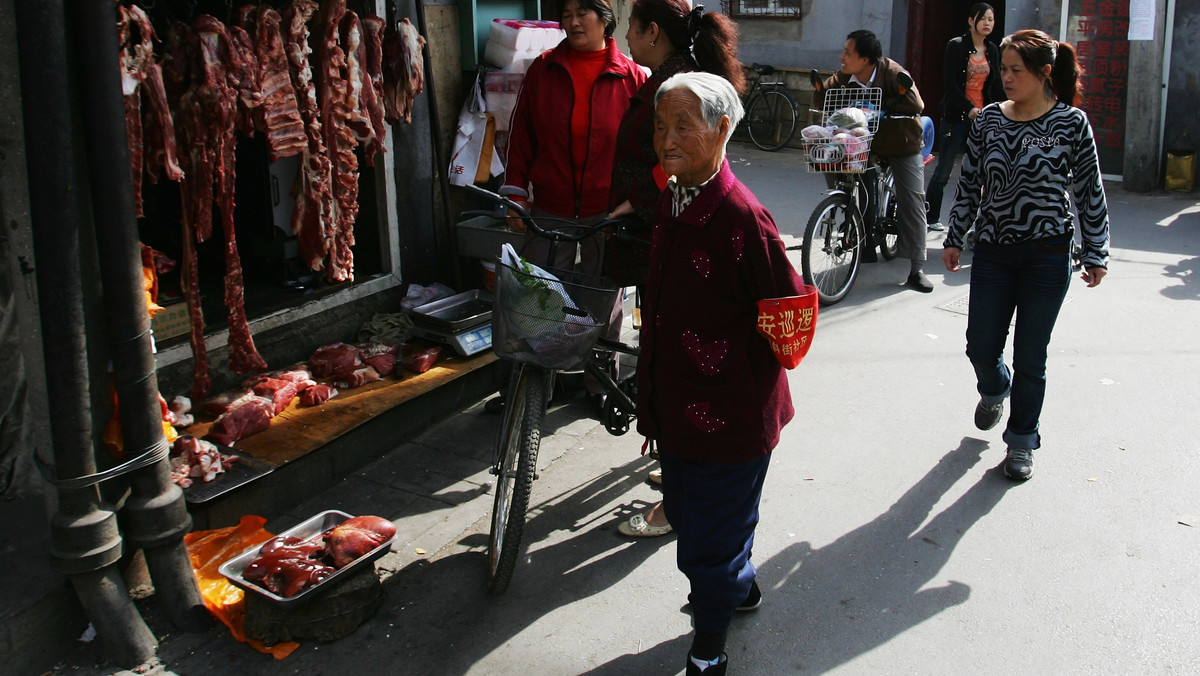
(537, 286)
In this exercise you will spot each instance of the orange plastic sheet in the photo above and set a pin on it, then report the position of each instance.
(207, 550)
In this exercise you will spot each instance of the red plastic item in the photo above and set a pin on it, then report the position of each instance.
(789, 324)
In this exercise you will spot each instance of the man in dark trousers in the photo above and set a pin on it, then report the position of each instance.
(898, 140)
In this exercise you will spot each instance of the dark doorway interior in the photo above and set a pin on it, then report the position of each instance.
(932, 23)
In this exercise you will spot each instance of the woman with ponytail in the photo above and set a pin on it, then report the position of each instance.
(668, 37)
(1025, 158)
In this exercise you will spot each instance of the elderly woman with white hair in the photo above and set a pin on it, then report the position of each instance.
(711, 395)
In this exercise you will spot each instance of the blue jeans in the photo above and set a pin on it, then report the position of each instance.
(1031, 280)
(951, 144)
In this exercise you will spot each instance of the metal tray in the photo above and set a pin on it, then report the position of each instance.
(240, 473)
(233, 568)
(459, 312)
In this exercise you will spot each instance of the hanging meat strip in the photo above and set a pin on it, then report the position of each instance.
(312, 219)
(278, 116)
(372, 94)
(340, 142)
(242, 74)
(177, 68)
(141, 73)
(404, 70)
(353, 45)
(159, 124)
(219, 66)
(132, 74)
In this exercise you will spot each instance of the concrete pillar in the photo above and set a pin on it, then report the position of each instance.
(1143, 108)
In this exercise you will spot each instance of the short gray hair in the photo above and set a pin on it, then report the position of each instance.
(717, 97)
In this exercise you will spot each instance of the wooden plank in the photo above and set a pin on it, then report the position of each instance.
(299, 431)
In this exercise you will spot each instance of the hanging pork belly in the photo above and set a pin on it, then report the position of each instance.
(312, 220)
(337, 99)
(403, 71)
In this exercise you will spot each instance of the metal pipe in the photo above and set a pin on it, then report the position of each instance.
(85, 542)
(155, 516)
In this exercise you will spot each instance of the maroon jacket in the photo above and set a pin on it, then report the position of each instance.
(709, 388)
(539, 141)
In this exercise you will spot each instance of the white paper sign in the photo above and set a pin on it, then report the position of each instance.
(1141, 19)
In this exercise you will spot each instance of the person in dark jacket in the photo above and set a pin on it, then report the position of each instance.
(899, 140)
(971, 69)
(668, 37)
(711, 394)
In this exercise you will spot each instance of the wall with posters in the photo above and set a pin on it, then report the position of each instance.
(1099, 30)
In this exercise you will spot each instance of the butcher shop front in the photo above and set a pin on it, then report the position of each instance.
(229, 285)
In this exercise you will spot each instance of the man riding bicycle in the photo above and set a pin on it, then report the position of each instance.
(898, 140)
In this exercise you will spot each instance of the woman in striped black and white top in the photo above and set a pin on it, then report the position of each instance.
(1025, 158)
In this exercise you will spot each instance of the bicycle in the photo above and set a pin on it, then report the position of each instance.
(543, 326)
(770, 110)
(859, 208)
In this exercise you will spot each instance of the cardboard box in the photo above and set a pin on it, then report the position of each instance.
(171, 322)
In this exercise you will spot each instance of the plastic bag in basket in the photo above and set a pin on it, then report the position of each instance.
(788, 324)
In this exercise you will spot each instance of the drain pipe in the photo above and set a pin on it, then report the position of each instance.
(155, 516)
(84, 540)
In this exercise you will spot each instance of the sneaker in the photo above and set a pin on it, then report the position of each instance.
(1018, 466)
(987, 415)
(920, 282)
(753, 599)
(935, 227)
(713, 669)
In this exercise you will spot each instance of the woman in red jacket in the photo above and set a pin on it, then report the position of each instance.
(563, 138)
(564, 130)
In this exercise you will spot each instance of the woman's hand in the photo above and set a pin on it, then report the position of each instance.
(973, 114)
(623, 209)
(1093, 276)
(950, 257)
(515, 222)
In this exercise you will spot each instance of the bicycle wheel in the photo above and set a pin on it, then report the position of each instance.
(771, 119)
(517, 450)
(888, 226)
(831, 250)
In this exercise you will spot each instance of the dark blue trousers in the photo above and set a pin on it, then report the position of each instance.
(713, 508)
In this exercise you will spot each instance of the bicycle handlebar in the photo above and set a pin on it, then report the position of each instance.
(584, 231)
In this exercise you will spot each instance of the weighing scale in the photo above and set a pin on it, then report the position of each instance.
(462, 321)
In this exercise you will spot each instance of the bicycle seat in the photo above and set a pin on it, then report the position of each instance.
(762, 69)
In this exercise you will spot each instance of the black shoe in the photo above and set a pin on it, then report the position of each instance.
(920, 282)
(597, 401)
(495, 404)
(717, 669)
(1018, 466)
(869, 256)
(753, 599)
(987, 415)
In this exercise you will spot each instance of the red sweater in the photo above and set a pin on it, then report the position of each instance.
(709, 387)
(539, 142)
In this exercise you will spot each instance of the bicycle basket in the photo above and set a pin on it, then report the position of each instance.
(552, 323)
(844, 150)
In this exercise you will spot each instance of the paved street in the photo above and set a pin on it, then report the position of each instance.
(889, 541)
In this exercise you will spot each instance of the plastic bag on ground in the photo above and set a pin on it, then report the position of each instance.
(207, 550)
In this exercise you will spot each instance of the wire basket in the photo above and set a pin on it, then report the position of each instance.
(844, 151)
(549, 322)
